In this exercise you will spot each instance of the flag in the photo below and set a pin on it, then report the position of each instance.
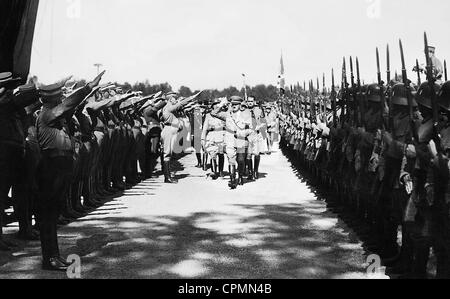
(17, 23)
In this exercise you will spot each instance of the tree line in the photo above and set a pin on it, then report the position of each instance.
(263, 93)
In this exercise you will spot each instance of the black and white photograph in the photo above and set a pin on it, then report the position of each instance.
(223, 144)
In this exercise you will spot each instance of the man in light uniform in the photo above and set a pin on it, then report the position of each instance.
(213, 138)
(235, 133)
(172, 126)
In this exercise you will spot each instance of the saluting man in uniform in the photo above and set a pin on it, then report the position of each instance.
(213, 139)
(56, 166)
(12, 140)
(153, 139)
(172, 126)
(235, 135)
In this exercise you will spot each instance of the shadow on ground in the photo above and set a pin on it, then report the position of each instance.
(250, 241)
(289, 241)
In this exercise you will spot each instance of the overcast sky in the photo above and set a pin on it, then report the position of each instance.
(209, 43)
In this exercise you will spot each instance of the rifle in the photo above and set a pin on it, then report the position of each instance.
(381, 85)
(318, 86)
(312, 104)
(360, 102)
(388, 90)
(324, 100)
(407, 84)
(333, 99)
(344, 92)
(431, 81)
(388, 61)
(419, 81)
(445, 70)
(355, 100)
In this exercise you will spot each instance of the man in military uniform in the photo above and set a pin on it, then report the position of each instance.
(196, 118)
(235, 137)
(153, 139)
(368, 149)
(12, 140)
(272, 127)
(56, 166)
(94, 108)
(172, 126)
(438, 68)
(417, 182)
(393, 192)
(257, 140)
(213, 138)
(24, 191)
(438, 187)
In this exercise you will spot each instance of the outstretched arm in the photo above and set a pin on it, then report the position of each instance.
(67, 108)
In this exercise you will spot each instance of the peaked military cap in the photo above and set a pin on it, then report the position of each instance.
(50, 91)
(236, 100)
(7, 80)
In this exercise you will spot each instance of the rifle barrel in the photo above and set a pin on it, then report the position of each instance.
(431, 80)
(378, 67)
(419, 81)
(445, 70)
(388, 61)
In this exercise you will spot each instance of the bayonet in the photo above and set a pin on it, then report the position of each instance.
(360, 102)
(333, 99)
(358, 78)
(324, 87)
(407, 85)
(344, 91)
(445, 70)
(311, 102)
(381, 86)
(388, 61)
(419, 81)
(379, 69)
(431, 80)
(353, 88)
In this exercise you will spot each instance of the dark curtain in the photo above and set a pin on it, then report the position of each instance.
(17, 22)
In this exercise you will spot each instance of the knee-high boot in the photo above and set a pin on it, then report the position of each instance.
(167, 178)
(250, 169)
(256, 168)
(232, 184)
(221, 165)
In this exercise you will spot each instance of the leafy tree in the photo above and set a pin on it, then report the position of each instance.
(185, 91)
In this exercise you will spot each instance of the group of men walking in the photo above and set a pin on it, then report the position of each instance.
(383, 150)
(239, 130)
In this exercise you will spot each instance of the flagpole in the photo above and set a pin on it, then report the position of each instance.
(245, 87)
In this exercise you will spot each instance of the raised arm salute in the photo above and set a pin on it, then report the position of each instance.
(55, 168)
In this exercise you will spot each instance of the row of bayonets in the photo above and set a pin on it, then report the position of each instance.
(349, 96)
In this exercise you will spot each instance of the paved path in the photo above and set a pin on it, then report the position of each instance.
(272, 228)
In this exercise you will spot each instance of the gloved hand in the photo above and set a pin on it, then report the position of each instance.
(410, 151)
(433, 148)
(407, 182)
(374, 162)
